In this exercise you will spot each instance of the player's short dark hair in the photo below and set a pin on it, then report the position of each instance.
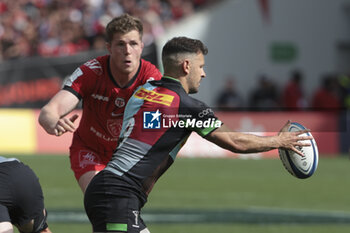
(183, 45)
(123, 24)
(177, 46)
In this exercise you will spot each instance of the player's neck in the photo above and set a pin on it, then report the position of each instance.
(184, 84)
(181, 78)
(121, 78)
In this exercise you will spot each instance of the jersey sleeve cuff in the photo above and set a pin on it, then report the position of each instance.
(71, 90)
(204, 132)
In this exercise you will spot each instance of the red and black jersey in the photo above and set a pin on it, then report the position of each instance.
(103, 102)
(158, 119)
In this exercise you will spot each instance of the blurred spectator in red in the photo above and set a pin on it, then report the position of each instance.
(292, 96)
(228, 98)
(201, 3)
(66, 27)
(326, 97)
(181, 8)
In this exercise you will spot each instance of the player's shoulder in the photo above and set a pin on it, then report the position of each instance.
(195, 108)
(149, 71)
(147, 64)
(186, 101)
(95, 66)
(191, 102)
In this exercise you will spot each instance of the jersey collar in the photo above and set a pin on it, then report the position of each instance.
(130, 82)
(171, 78)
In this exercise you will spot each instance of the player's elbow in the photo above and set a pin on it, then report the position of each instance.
(47, 120)
(42, 116)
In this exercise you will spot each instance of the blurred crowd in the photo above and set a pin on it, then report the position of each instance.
(333, 93)
(66, 27)
(50, 28)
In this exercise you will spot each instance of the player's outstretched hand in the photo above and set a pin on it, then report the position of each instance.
(65, 125)
(293, 140)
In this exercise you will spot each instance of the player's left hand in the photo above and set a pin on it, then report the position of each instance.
(65, 125)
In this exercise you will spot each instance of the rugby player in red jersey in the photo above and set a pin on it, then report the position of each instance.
(104, 84)
(158, 119)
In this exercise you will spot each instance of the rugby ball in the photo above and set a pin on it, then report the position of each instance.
(298, 166)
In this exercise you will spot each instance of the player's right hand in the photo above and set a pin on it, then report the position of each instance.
(293, 140)
(65, 125)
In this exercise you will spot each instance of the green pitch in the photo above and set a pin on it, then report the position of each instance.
(224, 187)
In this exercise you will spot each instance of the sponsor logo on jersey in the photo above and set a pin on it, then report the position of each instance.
(114, 126)
(151, 120)
(100, 97)
(155, 97)
(103, 136)
(119, 102)
(157, 120)
(205, 112)
(88, 158)
(95, 66)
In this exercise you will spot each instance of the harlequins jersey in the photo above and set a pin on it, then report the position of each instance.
(158, 119)
(103, 101)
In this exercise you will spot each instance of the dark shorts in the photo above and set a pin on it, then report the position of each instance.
(21, 197)
(109, 208)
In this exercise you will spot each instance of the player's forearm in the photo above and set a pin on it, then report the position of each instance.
(249, 143)
(242, 142)
(48, 120)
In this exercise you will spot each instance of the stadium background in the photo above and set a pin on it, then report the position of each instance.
(246, 39)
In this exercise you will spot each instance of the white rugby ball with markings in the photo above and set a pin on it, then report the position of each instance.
(298, 166)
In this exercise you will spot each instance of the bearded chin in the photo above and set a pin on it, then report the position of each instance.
(193, 90)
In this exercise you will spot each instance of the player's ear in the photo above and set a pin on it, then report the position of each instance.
(186, 66)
